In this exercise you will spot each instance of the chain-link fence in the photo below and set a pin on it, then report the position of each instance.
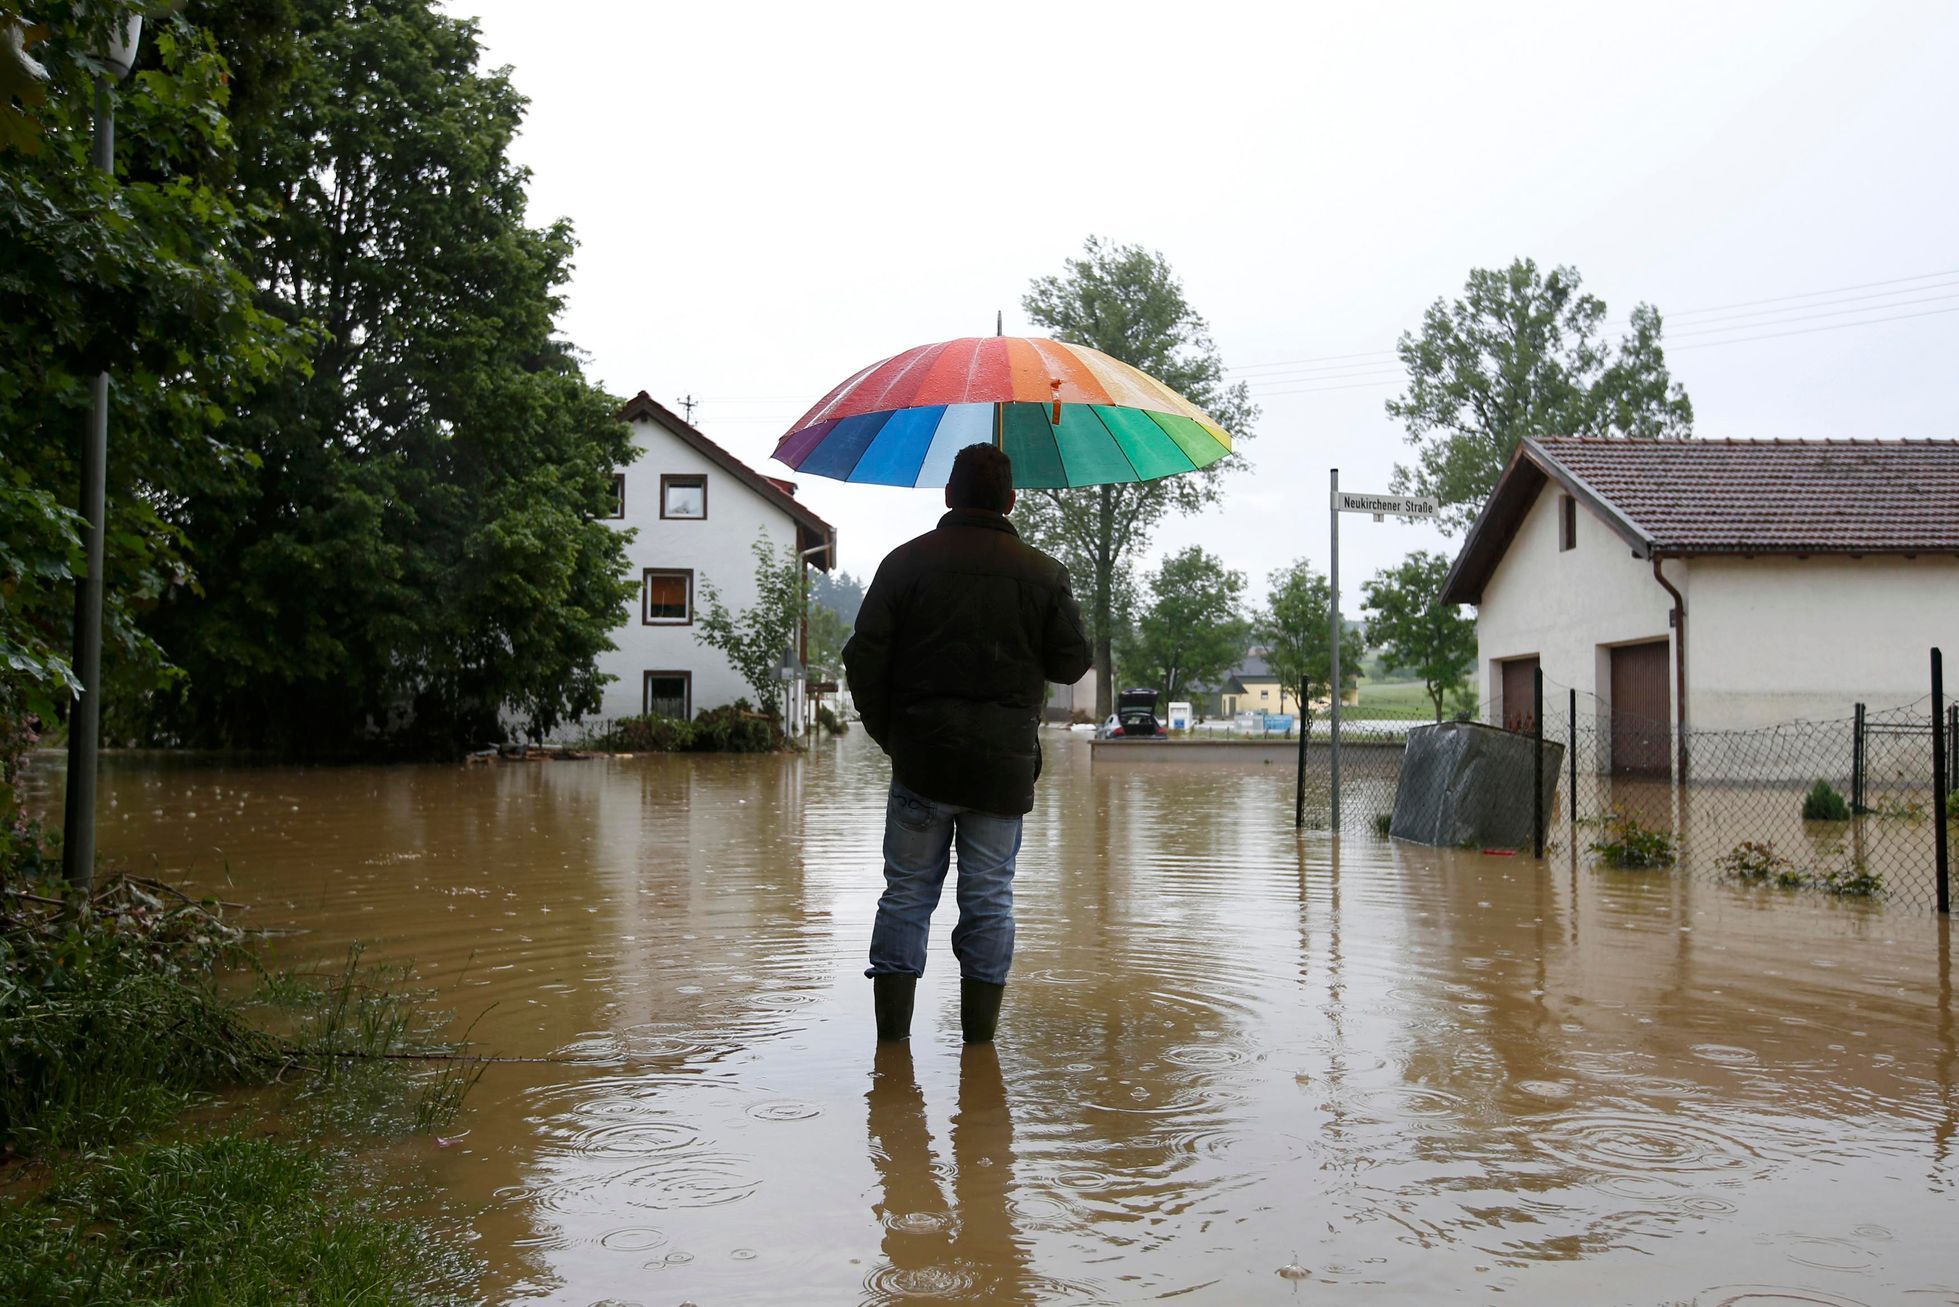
(1848, 807)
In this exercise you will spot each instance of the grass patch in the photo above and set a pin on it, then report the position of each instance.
(225, 1219)
(113, 1024)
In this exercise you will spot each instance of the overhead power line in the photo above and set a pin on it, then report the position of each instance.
(1320, 367)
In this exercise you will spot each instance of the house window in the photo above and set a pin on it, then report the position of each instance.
(618, 494)
(1567, 523)
(666, 596)
(1265, 694)
(669, 694)
(683, 497)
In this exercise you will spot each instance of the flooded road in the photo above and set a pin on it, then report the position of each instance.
(1400, 1075)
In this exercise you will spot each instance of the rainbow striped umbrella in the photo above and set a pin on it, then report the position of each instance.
(1066, 414)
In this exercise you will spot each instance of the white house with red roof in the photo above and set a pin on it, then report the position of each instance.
(1712, 584)
(695, 512)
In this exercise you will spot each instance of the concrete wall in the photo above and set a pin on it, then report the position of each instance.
(1567, 607)
(717, 547)
(1784, 639)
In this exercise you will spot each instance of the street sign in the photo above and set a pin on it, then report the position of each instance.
(822, 687)
(1346, 501)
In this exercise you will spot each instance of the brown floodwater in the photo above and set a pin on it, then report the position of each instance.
(1235, 1066)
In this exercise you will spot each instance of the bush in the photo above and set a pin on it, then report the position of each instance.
(647, 735)
(1625, 842)
(829, 721)
(733, 728)
(1823, 803)
(1851, 880)
(1756, 863)
(1383, 823)
(1081, 717)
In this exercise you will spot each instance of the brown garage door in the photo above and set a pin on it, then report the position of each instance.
(1641, 740)
(1519, 694)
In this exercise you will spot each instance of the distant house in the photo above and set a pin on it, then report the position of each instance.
(1254, 687)
(696, 511)
(1712, 585)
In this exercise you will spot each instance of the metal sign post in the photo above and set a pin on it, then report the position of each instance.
(1379, 507)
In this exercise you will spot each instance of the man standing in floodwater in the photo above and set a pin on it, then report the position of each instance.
(954, 640)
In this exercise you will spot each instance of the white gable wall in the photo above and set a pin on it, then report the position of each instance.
(1776, 639)
(719, 546)
(1567, 607)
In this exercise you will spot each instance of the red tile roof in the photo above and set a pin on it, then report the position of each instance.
(1774, 496)
(1678, 498)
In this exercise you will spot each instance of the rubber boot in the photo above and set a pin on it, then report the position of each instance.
(892, 995)
(979, 1010)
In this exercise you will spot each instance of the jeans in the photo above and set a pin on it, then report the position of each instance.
(918, 840)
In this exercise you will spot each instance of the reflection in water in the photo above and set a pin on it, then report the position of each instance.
(962, 1249)
(1424, 1073)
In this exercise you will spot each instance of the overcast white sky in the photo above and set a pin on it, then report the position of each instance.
(769, 198)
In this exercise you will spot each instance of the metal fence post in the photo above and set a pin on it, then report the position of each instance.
(1941, 853)
(1857, 761)
(1299, 782)
(1537, 762)
(1571, 762)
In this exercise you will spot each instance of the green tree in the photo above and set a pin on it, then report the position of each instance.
(1413, 628)
(1126, 302)
(828, 633)
(756, 639)
(1192, 630)
(1296, 627)
(415, 550)
(1522, 354)
(137, 275)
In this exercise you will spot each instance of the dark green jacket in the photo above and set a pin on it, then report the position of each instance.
(955, 638)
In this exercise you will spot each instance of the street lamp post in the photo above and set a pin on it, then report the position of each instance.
(85, 719)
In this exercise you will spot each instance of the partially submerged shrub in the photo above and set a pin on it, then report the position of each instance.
(1754, 863)
(829, 720)
(731, 728)
(1824, 803)
(1625, 842)
(1383, 823)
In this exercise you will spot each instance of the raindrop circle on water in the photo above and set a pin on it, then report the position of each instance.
(783, 1109)
(633, 1240)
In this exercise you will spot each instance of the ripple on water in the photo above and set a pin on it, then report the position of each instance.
(707, 1180)
(632, 1239)
(951, 1280)
(783, 1109)
(636, 1138)
(918, 1222)
(1650, 1144)
(1828, 1254)
(1726, 1054)
(1771, 1295)
(1206, 1056)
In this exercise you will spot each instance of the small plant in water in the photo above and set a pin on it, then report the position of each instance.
(1754, 863)
(1823, 803)
(1624, 841)
(1852, 880)
(1383, 823)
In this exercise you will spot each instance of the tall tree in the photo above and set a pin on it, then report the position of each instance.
(1296, 629)
(1411, 626)
(1522, 354)
(1192, 631)
(1125, 301)
(137, 275)
(416, 551)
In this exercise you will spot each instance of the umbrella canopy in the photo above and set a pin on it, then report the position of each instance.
(1067, 415)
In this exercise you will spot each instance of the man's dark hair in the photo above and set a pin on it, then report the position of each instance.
(982, 477)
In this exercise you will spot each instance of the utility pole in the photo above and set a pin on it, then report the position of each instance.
(85, 718)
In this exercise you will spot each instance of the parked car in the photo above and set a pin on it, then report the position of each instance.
(1134, 717)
